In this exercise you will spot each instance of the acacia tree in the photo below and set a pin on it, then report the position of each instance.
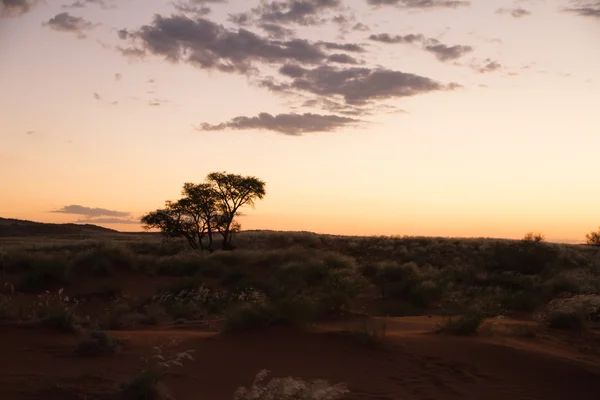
(207, 208)
(233, 192)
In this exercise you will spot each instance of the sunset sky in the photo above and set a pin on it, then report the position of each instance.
(364, 117)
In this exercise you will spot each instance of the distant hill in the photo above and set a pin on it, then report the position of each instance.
(17, 227)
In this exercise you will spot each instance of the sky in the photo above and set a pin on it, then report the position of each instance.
(364, 117)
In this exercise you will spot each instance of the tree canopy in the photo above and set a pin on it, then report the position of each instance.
(207, 208)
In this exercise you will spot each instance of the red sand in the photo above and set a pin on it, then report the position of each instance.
(413, 364)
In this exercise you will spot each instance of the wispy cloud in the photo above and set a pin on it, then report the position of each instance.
(91, 212)
(514, 12)
(301, 12)
(420, 3)
(106, 4)
(441, 51)
(585, 9)
(289, 124)
(16, 8)
(108, 221)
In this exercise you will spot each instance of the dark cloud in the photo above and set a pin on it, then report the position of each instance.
(357, 86)
(350, 47)
(585, 9)
(107, 221)
(208, 45)
(91, 212)
(97, 96)
(118, 77)
(441, 51)
(83, 3)
(447, 53)
(276, 31)
(514, 12)
(342, 59)
(29, 133)
(65, 22)
(488, 65)
(387, 38)
(16, 8)
(420, 3)
(359, 26)
(289, 124)
(123, 34)
(302, 12)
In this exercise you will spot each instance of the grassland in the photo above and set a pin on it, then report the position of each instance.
(107, 300)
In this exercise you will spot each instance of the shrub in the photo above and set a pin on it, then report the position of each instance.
(56, 311)
(370, 332)
(572, 313)
(103, 259)
(533, 237)
(44, 273)
(593, 238)
(467, 324)
(96, 344)
(144, 386)
(289, 388)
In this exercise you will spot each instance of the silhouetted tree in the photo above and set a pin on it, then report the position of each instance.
(207, 208)
(233, 192)
(593, 238)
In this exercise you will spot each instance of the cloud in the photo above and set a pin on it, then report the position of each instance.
(157, 102)
(208, 45)
(83, 3)
(107, 221)
(65, 22)
(488, 65)
(514, 12)
(387, 38)
(342, 59)
(301, 12)
(193, 7)
(441, 51)
(420, 3)
(16, 8)
(585, 9)
(276, 31)
(97, 96)
(118, 77)
(289, 124)
(356, 86)
(350, 47)
(91, 212)
(133, 53)
(447, 53)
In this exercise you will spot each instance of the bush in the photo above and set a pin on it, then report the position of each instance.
(144, 386)
(289, 388)
(56, 311)
(593, 238)
(533, 237)
(467, 324)
(370, 332)
(44, 273)
(572, 313)
(96, 344)
(104, 259)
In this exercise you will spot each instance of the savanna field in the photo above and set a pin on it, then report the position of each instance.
(105, 315)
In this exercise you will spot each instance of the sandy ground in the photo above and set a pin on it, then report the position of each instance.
(413, 363)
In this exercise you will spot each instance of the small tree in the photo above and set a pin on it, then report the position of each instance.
(593, 238)
(233, 192)
(533, 237)
(207, 208)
